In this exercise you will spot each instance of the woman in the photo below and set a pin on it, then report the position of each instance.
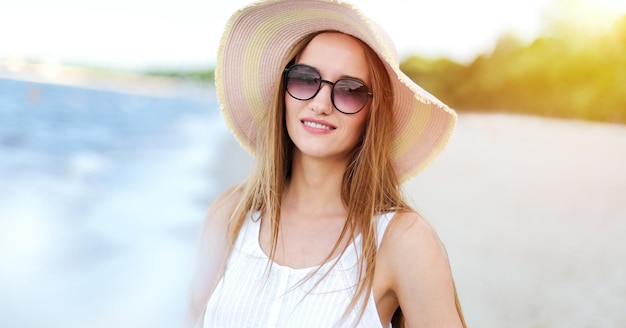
(320, 235)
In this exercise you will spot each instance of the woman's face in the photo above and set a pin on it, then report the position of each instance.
(315, 126)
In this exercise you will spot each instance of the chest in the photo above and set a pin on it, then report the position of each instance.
(253, 293)
(305, 245)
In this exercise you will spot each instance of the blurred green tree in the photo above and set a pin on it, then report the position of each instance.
(558, 76)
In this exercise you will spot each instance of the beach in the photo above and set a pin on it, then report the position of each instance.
(104, 194)
(533, 214)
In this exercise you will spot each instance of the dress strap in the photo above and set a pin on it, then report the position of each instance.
(383, 221)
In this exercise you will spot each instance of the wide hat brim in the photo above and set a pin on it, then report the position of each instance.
(254, 49)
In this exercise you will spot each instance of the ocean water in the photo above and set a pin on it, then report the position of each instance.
(102, 194)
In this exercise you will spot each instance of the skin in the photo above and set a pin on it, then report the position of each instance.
(333, 60)
(312, 210)
(412, 268)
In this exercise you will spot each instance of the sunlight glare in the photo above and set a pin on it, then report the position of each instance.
(591, 16)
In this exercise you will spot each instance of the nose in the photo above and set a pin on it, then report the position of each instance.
(322, 102)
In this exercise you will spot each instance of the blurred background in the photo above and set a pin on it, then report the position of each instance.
(112, 147)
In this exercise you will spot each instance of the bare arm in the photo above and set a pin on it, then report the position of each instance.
(212, 250)
(419, 273)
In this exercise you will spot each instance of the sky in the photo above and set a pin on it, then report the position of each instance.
(184, 34)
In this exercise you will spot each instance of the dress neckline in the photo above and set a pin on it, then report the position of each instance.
(345, 260)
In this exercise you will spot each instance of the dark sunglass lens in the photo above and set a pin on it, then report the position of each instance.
(350, 95)
(302, 82)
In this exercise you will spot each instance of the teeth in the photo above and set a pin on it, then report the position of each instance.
(316, 125)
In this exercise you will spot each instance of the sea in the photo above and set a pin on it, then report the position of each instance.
(102, 195)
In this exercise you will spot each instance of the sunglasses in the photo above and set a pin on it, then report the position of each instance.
(348, 95)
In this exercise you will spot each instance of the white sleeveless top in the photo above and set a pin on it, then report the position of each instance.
(247, 296)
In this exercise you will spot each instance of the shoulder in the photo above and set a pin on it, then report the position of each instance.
(214, 233)
(418, 271)
(410, 231)
(411, 242)
(216, 221)
(223, 206)
(212, 251)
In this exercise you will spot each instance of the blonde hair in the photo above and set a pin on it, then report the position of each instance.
(370, 184)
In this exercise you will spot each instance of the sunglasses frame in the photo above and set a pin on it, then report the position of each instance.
(322, 81)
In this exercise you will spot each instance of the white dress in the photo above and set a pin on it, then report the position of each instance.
(247, 296)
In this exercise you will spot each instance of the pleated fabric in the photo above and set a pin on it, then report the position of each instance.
(253, 294)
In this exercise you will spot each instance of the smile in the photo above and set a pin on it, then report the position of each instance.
(317, 125)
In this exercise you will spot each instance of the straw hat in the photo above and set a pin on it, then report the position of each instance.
(255, 45)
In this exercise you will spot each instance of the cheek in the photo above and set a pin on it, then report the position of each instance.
(290, 108)
(358, 126)
(290, 113)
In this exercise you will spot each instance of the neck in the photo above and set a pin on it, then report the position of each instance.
(315, 186)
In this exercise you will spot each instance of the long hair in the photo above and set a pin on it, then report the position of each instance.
(370, 186)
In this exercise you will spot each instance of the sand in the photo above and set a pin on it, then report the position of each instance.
(533, 214)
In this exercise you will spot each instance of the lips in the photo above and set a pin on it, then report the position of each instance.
(318, 125)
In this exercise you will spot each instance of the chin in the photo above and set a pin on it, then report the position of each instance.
(323, 152)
